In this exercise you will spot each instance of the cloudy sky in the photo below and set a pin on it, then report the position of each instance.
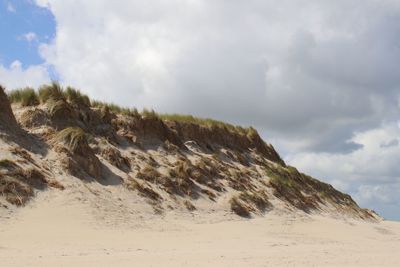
(319, 79)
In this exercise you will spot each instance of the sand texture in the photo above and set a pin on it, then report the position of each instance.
(61, 233)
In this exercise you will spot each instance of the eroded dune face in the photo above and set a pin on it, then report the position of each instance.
(7, 119)
(130, 161)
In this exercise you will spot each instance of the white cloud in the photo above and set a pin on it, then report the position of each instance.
(319, 78)
(371, 174)
(30, 36)
(16, 76)
(255, 62)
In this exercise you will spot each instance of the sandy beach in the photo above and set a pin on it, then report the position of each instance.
(55, 234)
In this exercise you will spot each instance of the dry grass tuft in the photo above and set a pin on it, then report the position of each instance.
(15, 191)
(8, 164)
(17, 185)
(247, 202)
(239, 208)
(114, 156)
(79, 158)
(56, 184)
(258, 198)
(240, 181)
(73, 137)
(143, 189)
(148, 173)
(22, 153)
(189, 206)
(210, 194)
(59, 108)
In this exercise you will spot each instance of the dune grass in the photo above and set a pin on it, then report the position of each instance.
(204, 122)
(115, 108)
(51, 91)
(240, 208)
(75, 96)
(54, 91)
(17, 183)
(26, 97)
(73, 137)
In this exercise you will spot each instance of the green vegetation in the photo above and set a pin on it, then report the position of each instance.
(204, 122)
(54, 92)
(75, 96)
(57, 107)
(115, 108)
(280, 175)
(73, 137)
(26, 97)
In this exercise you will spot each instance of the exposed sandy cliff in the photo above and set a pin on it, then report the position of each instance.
(64, 144)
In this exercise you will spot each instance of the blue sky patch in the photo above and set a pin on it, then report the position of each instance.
(23, 27)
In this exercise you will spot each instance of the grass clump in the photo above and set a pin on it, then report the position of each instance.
(7, 164)
(17, 184)
(73, 137)
(203, 121)
(189, 206)
(115, 108)
(58, 108)
(75, 96)
(239, 208)
(51, 91)
(258, 198)
(148, 173)
(143, 190)
(26, 97)
(15, 191)
(115, 157)
(150, 113)
(247, 202)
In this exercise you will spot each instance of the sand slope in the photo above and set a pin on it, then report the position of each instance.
(55, 233)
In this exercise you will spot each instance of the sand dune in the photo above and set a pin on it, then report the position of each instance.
(142, 191)
(55, 233)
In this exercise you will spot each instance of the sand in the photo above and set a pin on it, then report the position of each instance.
(53, 233)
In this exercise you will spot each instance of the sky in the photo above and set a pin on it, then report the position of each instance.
(319, 79)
